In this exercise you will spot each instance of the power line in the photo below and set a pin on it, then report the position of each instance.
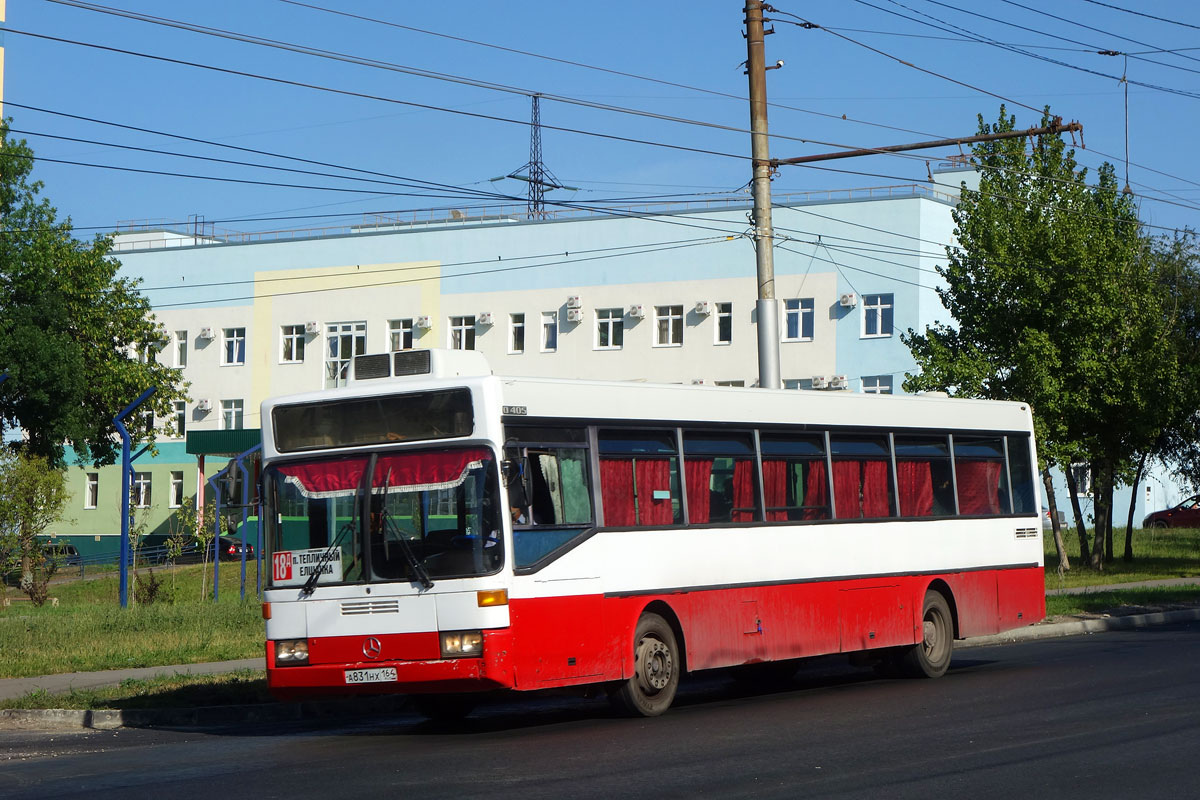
(368, 96)
(1141, 14)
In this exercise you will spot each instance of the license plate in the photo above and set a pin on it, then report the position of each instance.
(378, 675)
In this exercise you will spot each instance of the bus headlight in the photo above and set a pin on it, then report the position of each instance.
(462, 644)
(291, 652)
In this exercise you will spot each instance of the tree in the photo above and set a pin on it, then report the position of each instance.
(32, 495)
(1054, 304)
(77, 340)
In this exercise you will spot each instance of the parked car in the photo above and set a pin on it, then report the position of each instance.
(1184, 515)
(229, 549)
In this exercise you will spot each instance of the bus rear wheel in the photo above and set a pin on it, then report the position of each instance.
(930, 657)
(651, 689)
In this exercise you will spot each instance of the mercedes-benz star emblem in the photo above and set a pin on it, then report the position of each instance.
(372, 647)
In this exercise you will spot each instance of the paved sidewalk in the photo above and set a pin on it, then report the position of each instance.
(1109, 587)
(55, 684)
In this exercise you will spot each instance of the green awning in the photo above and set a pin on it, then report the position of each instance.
(222, 443)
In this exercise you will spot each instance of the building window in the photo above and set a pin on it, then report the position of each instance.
(798, 383)
(516, 333)
(739, 384)
(668, 329)
(180, 418)
(139, 491)
(176, 489)
(549, 331)
(877, 384)
(610, 328)
(346, 340)
(400, 334)
(462, 333)
(231, 415)
(234, 351)
(91, 493)
(877, 315)
(181, 349)
(724, 332)
(798, 319)
(292, 350)
(1082, 473)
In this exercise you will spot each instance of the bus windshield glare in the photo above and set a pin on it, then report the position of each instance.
(419, 515)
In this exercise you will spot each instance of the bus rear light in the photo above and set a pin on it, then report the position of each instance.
(495, 597)
(266, 610)
(462, 644)
(291, 652)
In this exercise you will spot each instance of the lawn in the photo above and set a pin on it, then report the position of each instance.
(89, 631)
(1157, 553)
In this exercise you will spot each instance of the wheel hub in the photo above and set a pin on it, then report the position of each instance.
(656, 665)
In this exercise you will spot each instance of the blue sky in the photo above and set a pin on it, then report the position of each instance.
(697, 44)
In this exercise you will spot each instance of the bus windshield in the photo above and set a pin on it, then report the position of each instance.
(419, 516)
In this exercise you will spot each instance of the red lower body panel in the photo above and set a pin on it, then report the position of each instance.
(564, 641)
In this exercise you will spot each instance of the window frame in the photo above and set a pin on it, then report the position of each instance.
(176, 495)
(356, 333)
(400, 330)
(615, 323)
(233, 410)
(91, 491)
(516, 333)
(804, 313)
(672, 315)
(883, 384)
(550, 331)
(880, 307)
(141, 489)
(460, 334)
(233, 347)
(181, 349)
(723, 318)
(296, 336)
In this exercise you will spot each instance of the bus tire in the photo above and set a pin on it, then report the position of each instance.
(656, 666)
(930, 657)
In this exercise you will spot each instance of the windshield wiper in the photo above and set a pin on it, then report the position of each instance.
(325, 558)
(386, 525)
(351, 527)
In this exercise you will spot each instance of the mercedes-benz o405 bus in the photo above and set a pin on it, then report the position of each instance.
(436, 530)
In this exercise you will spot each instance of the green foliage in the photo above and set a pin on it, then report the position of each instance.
(1059, 300)
(72, 330)
(32, 496)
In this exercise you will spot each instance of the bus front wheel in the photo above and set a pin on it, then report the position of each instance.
(930, 657)
(651, 689)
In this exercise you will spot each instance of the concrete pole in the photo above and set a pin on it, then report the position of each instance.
(767, 307)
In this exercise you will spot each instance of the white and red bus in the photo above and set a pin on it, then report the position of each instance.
(436, 530)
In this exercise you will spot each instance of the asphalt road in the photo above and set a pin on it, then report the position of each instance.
(1107, 715)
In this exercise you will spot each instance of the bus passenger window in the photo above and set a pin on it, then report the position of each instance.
(923, 476)
(639, 478)
(1021, 469)
(719, 477)
(861, 482)
(795, 481)
(981, 477)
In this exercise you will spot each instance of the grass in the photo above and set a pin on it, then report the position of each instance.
(89, 631)
(1158, 553)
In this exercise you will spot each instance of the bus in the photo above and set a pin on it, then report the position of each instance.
(436, 530)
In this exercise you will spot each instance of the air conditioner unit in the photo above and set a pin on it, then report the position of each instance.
(703, 308)
(820, 382)
(204, 406)
(207, 333)
(848, 300)
(483, 318)
(313, 328)
(423, 322)
(574, 315)
(574, 301)
(636, 311)
(839, 382)
(697, 381)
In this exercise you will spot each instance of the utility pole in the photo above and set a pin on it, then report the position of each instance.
(764, 235)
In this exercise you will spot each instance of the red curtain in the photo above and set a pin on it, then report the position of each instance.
(875, 490)
(743, 491)
(699, 483)
(616, 491)
(978, 487)
(916, 488)
(816, 491)
(846, 484)
(341, 476)
(654, 475)
(775, 486)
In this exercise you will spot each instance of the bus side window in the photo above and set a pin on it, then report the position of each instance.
(981, 478)
(923, 476)
(639, 478)
(862, 486)
(1019, 468)
(795, 481)
(558, 488)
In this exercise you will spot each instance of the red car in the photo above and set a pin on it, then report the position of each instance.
(1184, 515)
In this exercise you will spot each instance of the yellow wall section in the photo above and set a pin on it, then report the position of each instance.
(426, 275)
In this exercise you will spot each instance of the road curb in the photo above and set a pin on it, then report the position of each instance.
(199, 717)
(217, 716)
(1056, 630)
